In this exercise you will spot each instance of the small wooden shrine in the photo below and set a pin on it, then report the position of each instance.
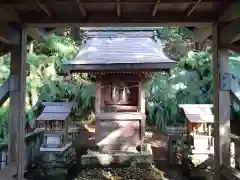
(54, 120)
(199, 125)
(122, 61)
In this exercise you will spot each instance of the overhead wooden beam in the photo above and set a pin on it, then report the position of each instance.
(231, 32)
(44, 8)
(81, 8)
(7, 35)
(118, 8)
(127, 19)
(8, 14)
(155, 8)
(231, 13)
(12, 2)
(193, 7)
(4, 92)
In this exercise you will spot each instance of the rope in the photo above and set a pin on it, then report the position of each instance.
(125, 87)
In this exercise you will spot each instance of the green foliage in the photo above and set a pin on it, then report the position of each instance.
(3, 123)
(189, 83)
(178, 41)
(44, 81)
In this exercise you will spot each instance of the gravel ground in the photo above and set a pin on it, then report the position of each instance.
(130, 173)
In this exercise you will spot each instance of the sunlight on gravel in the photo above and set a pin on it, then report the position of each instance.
(130, 173)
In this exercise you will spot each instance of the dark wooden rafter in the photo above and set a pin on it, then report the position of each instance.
(226, 12)
(118, 9)
(132, 19)
(155, 8)
(7, 33)
(8, 14)
(81, 8)
(62, 2)
(231, 32)
(193, 7)
(44, 8)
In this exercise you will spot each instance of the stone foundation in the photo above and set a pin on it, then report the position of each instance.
(116, 158)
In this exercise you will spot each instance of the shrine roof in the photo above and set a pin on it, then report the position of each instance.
(119, 50)
(198, 113)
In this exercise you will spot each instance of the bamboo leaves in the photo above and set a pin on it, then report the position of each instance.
(184, 84)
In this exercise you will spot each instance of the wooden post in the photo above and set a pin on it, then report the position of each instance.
(221, 105)
(142, 111)
(98, 106)
(98, 97)
(17, 103)
(66, 129)
(209, 136)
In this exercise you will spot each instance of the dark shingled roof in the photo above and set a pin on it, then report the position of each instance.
(120, 51)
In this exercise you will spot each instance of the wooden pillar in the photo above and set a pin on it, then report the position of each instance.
(142, 98)
(98, 97)
(17, 103)
(98, 107)
(221, 103)
(142, 111)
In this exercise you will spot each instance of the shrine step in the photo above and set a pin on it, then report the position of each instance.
(105, 159)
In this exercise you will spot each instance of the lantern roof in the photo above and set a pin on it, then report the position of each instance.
(56, 111)
(198, 113)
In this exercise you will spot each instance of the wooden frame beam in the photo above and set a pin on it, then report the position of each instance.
(118, 9)
(155, 8)
(7, 33)
(231, 32)
(231, 13)
(44, 8)
(8, 14)
(126, 19)
(152, 2)
(81, 8)
(193, 7)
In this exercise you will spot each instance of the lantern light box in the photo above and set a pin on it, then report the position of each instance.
(54, 120)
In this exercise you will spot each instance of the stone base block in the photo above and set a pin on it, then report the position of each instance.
(116, 158)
